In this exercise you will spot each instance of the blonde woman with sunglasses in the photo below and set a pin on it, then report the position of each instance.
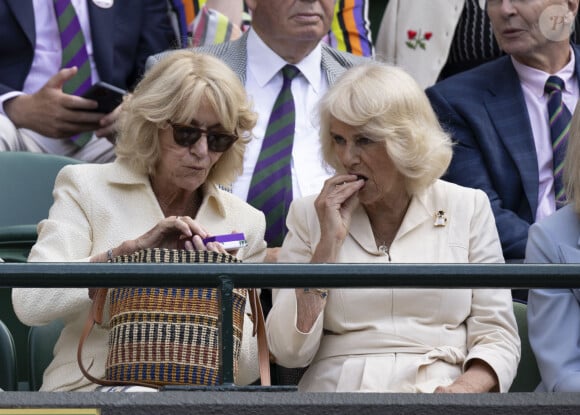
(182, 133)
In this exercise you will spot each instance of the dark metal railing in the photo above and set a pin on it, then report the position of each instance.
(289, 275)
(227, 276)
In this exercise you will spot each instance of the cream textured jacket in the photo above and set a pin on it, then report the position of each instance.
(96, 207)
(400, 340)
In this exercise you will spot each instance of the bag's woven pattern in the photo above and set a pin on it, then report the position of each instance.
(164, 336)
(158, 255)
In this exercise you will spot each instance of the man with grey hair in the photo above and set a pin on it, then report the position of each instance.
(510, 117)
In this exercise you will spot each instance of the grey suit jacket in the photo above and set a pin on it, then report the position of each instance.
(235, 55)
(554, 314)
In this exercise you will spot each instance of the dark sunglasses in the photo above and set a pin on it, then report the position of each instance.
(187, 135)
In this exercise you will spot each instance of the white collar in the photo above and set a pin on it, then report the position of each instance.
(270, 63)
(535, 79)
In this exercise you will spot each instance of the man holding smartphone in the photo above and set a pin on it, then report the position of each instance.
(35, 113)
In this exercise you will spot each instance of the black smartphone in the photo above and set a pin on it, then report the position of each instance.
(108, 96)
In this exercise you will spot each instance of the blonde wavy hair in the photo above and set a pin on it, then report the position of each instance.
(173, 90)
(385, 103)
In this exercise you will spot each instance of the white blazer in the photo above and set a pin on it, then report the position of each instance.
(400, 340)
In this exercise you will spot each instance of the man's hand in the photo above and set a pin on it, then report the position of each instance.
(107, 125)
(53, 113)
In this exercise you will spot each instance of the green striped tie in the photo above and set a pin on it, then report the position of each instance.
(560, 119)
(271, 185)
(74, 53)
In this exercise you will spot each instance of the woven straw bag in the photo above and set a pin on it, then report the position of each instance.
(169, 336)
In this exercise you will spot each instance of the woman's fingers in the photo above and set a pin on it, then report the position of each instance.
(340, 179)
(179, 232)
(181, 223)
(190, 226)
(172, 232)
(198, 243)
(216, 247)
(340, 188)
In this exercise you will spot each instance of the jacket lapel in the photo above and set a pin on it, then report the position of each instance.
(361, 231)
(24, 14)
(576, 50)
(335, 63)
(330, 67)
(102, 22)
(237, 56)
(121, 172)
(234, 54)
(420, 210)
(507, 111)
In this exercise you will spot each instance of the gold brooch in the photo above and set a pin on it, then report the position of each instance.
(440, 218)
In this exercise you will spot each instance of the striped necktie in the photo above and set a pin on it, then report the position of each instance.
(271, 185)
(560, 118)
(74, 53)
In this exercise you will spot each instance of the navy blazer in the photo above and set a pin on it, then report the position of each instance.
(123, 37)
(485, 112)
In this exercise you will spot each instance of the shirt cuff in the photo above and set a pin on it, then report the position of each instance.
(6, 97)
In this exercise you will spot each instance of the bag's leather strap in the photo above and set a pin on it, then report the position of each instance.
(260, 331)
(96, 317)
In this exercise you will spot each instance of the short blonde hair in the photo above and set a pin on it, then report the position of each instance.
(173, 90)
(571, 164)
(386, 103)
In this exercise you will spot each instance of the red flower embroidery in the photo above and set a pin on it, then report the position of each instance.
(417, 39)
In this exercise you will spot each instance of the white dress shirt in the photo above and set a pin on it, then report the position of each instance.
(533, 82)
(263, 83)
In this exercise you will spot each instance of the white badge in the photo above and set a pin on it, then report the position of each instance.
(104, 4)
